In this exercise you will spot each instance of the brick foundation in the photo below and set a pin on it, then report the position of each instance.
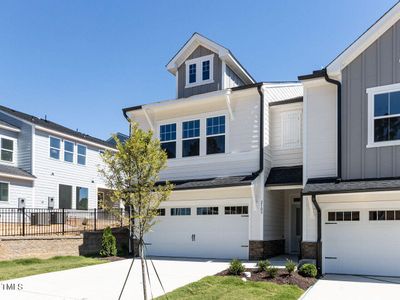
(309, 250)
(265, 249)
(49, 246)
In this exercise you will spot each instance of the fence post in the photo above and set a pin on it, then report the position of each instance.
(63, 220)
(23, 221)
(95, 219)
(122, 217)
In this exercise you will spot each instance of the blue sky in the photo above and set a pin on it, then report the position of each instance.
(81, 62)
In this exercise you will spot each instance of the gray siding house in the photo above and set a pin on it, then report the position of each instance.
(351, 174)
(46, 165)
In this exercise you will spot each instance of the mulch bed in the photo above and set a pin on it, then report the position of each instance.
(282, 278)
(113, 258)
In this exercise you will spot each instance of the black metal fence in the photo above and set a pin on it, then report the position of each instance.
(36, 221)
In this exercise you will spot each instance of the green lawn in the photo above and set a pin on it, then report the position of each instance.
(229, 287)
(24, 267)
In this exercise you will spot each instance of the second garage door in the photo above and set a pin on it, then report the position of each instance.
(202, 232)
(361, 241)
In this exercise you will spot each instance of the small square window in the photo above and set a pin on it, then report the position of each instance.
(381, 215)
(373, 215)
(355, 216)
(331, 216)
(339, 216)
(397, 213)
(161, 212)
(390, 215)
(347, 216)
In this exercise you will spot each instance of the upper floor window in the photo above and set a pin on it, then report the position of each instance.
(68, 151)
(81, 155)
(55, 147)
(216, 135)
(191, 138)
(192, 73)
(199, 70)
(384, 115)
(7, 150)
(168, 139)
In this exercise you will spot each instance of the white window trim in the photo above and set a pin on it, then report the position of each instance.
(283, 115)
(191, 138)
(203, 134)
(77, 154)
(12, 162)
(61, 147)
(169, 141)
(9, 194)
(218, 134)
(371, 128)
(199, 70)
(73, 152)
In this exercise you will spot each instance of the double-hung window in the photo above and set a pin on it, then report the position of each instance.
(168, 139)
(81, 159)
(55, 147)
(7, 150)
(216, 135)
(191, 138)
(68, 151)
(199, 71)
(4, 191)
(384, 115)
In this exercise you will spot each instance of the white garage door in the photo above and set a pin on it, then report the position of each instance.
(203, 236)
(361, 241)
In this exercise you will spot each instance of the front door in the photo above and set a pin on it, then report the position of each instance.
(295, 226)
(65, 196)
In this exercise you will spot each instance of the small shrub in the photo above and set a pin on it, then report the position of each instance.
(308, 270)
(263, 265)
(236, 267)
(272, 271)
(108, 243)
(290, 266)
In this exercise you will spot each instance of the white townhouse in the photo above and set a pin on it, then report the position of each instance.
(235, 157)
(46, 165)
(351, 174)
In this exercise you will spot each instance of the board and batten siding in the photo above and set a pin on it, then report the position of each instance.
(284, 154)
(24, 151)
(200, 89)
(273, 215)
(378, 65)
(17, 189)
(51, 173)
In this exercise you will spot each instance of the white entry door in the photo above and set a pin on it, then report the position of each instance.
(361, 241)
(201, 236)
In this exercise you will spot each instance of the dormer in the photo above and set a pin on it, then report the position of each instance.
(203, 66)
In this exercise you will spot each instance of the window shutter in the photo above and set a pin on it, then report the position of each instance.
(291, 129)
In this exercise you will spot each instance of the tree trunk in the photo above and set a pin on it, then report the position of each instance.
(143, 270)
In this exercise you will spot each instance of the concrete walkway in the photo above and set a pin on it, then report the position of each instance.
(105, 281)
(333, 287)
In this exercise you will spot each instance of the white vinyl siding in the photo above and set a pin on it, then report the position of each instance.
(7, 149)
(51, 173)
(17, 188)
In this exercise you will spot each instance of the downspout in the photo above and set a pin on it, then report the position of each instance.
(261, 155)
(339, 125)
(129, 121)
(319, 234)
(300, 256)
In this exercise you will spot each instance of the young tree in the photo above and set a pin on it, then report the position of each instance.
(132, 172)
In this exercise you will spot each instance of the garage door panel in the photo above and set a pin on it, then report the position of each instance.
(361, 247)
(210, 236)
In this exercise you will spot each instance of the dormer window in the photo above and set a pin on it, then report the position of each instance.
(199, 71)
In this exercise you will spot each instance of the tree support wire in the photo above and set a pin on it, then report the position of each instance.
(148, 275)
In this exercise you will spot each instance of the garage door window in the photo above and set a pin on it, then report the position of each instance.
(207, 211)
(338, 216)
(161, 212)
(180, 211)
(236, 210)
(384, 215)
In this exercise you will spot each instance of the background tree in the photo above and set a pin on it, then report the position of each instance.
(132, 172)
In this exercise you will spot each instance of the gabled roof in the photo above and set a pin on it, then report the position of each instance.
(365, 40)
(223, 53)
(6, 125)
(120, 136)
(54, 126)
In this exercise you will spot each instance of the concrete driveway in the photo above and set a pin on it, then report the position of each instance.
(105, 281)
(354, 287)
